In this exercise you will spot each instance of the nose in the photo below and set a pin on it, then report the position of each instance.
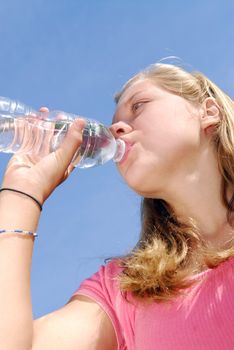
(120, 128)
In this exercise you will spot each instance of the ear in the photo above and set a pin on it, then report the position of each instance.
(210, 114)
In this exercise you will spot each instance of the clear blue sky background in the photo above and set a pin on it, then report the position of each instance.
(74, 55)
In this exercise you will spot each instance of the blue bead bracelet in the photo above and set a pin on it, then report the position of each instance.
(34, 234)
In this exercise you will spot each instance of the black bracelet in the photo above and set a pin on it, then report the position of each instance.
(26, 194)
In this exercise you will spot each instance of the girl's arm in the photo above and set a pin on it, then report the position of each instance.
(16, 327)
(38, 178)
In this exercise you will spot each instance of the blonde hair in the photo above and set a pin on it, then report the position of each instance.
(170, 251)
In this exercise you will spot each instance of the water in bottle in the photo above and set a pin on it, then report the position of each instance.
(27, 131)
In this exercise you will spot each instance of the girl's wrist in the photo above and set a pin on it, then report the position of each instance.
(22, 193)
(26, 187)
(18, 212)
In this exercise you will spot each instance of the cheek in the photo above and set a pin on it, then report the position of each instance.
(157, 158)
(172, 140)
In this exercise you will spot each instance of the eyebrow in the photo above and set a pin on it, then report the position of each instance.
(132, 97)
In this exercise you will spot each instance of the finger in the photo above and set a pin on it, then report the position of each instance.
(70, 144)
(44, 109)
(70, 169)
(67, 173)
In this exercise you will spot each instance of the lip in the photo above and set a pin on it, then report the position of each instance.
(128, 148)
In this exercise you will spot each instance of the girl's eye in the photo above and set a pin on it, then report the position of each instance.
(136, 105)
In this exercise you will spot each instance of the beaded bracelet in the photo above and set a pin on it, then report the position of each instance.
(34, 234)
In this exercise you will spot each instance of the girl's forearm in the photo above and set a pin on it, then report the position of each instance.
(16, 321)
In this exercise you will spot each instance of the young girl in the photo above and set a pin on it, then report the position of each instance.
(175, 289)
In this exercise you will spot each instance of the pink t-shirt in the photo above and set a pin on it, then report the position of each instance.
(203, 319)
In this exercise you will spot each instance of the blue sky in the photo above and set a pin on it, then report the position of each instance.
(74, 55)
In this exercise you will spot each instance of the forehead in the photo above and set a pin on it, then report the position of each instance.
(137, 87)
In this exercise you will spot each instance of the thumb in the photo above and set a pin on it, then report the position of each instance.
(71, 143)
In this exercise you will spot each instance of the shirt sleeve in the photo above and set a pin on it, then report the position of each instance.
(103, 288)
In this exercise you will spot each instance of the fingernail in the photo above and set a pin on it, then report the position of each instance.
(80, 123)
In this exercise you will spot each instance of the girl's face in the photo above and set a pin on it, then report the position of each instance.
(163, 134)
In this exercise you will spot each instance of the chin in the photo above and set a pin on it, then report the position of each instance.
(146, 183)
(147, 192)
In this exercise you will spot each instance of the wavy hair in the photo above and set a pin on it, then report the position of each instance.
(170, 251)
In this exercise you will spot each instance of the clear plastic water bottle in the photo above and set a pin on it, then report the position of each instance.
(27, 131)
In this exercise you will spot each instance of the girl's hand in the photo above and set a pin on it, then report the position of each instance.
(40, 176)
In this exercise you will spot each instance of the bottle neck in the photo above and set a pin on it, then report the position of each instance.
(120, 150)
